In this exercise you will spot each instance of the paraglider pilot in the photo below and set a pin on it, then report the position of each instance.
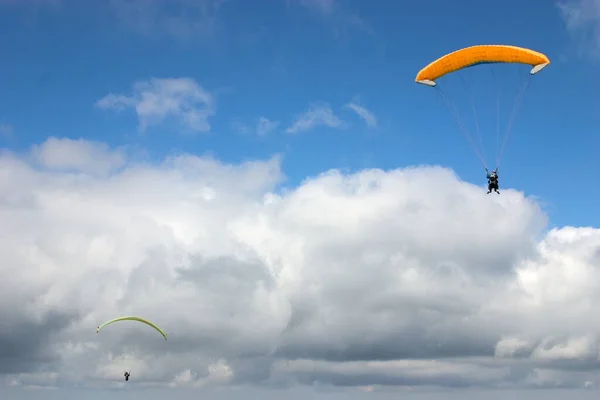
(492, 181)
(126, 375)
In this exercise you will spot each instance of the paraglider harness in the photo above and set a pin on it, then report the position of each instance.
(492, 180)
(126, 375)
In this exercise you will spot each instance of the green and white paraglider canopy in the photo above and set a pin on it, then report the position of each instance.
(131, 318)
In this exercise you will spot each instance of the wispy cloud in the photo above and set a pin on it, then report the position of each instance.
(156, 100)
(366, 115)
(333, 12)
(316, 115)
(265, 126)
(182, 19)
(6, 130)
(262, 127)
(582, 19)
(324, 7)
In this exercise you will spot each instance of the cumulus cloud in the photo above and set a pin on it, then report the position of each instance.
(78, 155)
(582, 19)
(316, 115)
(372, 281)
(366, 115)
(157, 100)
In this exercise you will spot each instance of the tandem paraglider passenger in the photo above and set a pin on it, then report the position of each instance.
(440, 72)
(492, 181)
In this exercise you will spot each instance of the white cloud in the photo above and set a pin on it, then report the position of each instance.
(582, 19)
(366, 115)
(397, 280)
(156, 100)
(78, 155)
(316, 115)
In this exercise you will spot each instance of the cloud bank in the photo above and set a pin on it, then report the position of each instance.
(403, 278)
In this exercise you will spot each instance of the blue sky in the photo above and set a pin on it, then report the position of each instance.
(125, 127)
(279, 59)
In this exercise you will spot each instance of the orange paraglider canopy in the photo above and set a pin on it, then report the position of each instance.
(482, 54)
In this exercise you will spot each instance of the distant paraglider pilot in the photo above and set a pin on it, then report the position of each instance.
(126, 375)
(492, 181)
